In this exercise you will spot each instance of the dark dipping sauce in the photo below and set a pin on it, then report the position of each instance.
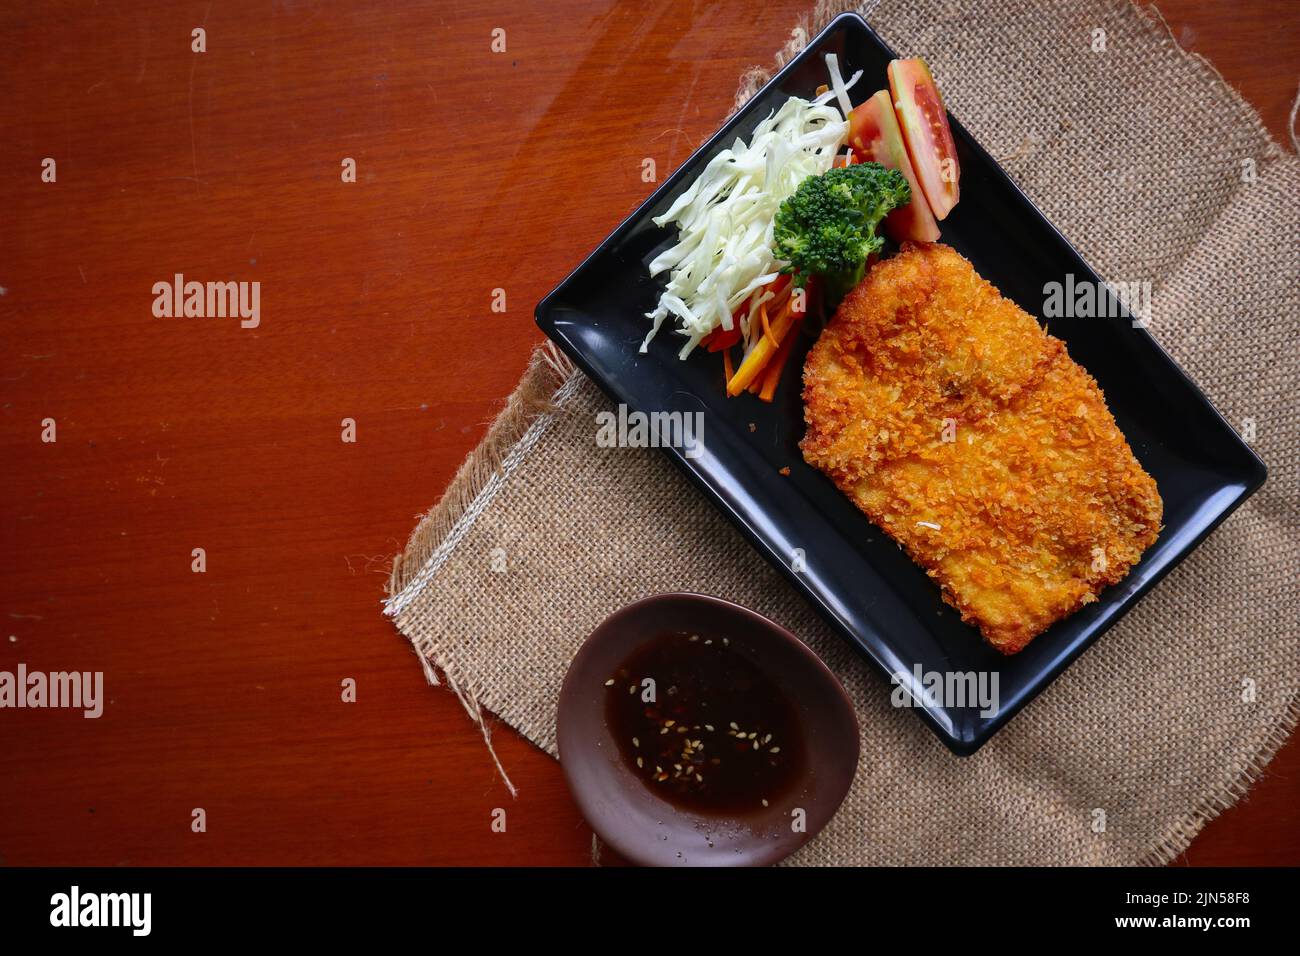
(719, 737)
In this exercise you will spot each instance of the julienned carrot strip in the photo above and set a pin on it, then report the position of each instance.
(772, 374)
(762, 311)
(727, 368)
(760, 354)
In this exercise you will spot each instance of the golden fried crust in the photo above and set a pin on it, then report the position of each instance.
(969, 435)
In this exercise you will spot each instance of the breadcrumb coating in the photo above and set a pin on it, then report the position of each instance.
(966, 432)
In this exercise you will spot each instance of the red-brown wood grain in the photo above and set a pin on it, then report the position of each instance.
(476, 171)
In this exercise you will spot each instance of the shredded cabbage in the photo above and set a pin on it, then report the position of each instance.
(724, 218)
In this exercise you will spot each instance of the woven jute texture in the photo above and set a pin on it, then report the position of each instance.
(1156, 170)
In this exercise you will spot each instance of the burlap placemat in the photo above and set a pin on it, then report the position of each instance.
(1156, 170)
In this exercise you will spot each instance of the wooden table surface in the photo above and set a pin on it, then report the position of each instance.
(475, 171)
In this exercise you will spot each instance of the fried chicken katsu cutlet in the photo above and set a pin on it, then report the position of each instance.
(966, 432)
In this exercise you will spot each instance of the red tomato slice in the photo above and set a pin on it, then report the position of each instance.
(925, 131)
(875, 138)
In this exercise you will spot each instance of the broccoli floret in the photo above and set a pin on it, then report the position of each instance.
(828, 227)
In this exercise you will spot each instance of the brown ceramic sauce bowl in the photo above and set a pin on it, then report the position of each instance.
(631, 814)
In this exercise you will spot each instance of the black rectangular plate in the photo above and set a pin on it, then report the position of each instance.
(856, 575)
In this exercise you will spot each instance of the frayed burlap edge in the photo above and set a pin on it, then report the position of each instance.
(1179, 838)
(549, 370)
(752, 80)
(1159, 25)
(531, 401)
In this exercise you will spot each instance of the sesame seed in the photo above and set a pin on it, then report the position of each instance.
(610, 682)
